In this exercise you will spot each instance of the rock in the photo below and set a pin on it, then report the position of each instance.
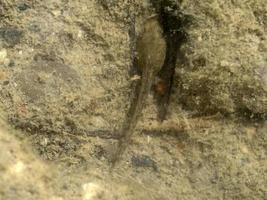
(233, 77)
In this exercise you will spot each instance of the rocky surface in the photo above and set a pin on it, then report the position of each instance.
(66, 86)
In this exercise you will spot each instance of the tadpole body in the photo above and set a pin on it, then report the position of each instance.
(151, 51)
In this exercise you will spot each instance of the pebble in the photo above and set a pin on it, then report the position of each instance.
(23, 7)
(6, 62)
(92, 191)
(56, 13)
(3, 56)
(144, 161)
(10, 36)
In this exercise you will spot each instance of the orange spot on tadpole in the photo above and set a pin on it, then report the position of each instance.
(161, 87)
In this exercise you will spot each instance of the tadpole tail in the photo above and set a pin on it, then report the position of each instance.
(141, 92)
